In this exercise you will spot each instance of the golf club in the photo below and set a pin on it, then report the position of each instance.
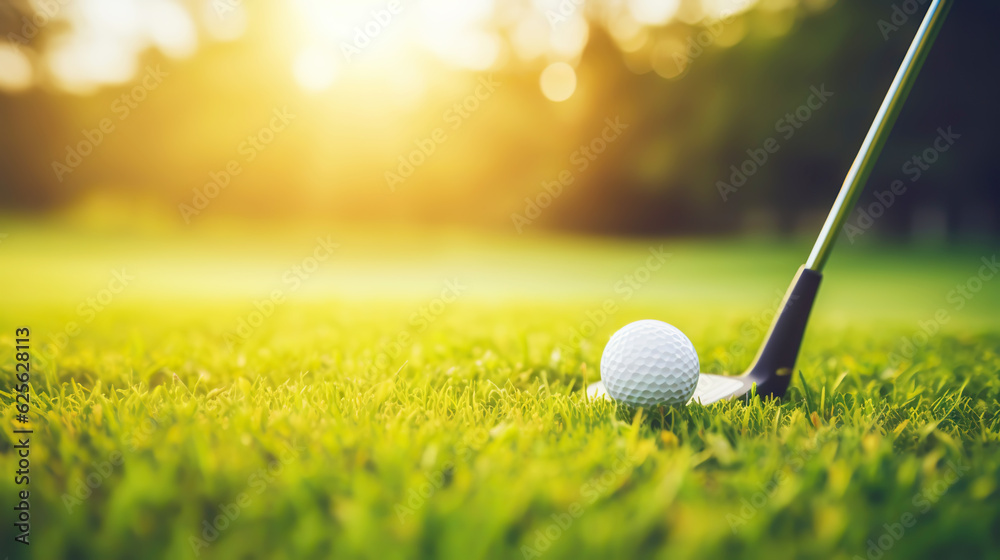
(771, 370)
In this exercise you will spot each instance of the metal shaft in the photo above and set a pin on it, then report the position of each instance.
(879, 131)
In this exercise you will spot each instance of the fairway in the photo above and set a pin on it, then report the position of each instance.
(421, 396)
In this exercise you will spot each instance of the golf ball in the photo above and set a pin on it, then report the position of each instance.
(650, 362)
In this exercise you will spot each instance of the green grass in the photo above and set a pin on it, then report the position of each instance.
(473, 439)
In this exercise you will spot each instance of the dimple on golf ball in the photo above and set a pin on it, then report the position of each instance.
(650, 362)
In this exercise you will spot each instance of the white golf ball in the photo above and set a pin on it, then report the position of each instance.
(650, 362)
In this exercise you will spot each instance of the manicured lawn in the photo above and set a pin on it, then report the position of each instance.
(421, 398)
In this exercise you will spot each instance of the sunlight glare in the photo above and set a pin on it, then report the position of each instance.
(570, 37)
(225, 22)
(118, 17)
(724, 9)
(85, 60)
(530, 37)
(653, 12)
(170, 28)
(314, 69)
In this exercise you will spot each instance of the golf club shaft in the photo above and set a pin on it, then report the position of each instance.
(879, 131)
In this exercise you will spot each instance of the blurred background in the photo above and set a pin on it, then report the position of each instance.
(460, 112)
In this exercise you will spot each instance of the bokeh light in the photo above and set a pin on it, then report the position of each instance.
(373, 79)
(96, 43)
(15, 69)
(558, 81)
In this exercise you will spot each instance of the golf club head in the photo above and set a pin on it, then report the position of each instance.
(771, 370)
(711, 388)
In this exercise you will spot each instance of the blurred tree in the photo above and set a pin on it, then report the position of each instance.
(698, 100)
